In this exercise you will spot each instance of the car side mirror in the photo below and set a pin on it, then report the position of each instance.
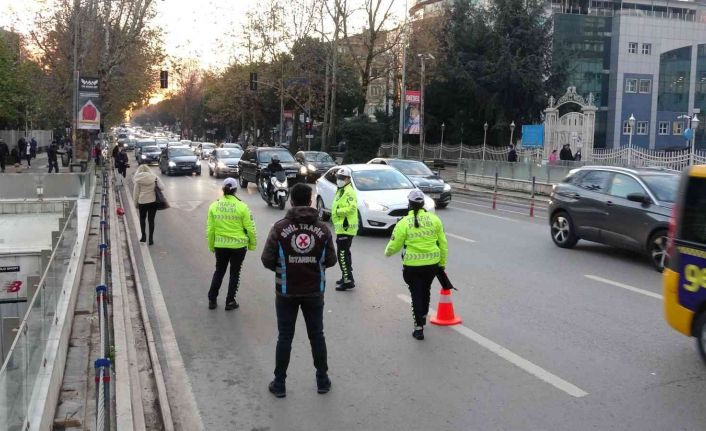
(640, 198)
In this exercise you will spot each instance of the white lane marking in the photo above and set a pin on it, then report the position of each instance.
(190, 177)
(513, 358)
(484, 214)
(624, 286)
(459, 237)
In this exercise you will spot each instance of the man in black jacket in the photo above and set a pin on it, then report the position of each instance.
(52, 158)
(299, 248)
(565, 153)
(4, 152)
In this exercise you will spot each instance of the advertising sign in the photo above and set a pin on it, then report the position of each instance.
(533, 136)
(89, 116)
(412, 112)
(288, 125)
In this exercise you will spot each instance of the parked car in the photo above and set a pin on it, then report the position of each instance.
(179, 160)
(382, 195)
(231, 145)
(255, 159)
(316, 163)
(626, 208)
(204, 149)
(224, 161)
(149, 155)
(427, 181)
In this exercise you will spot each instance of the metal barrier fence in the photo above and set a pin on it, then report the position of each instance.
(26, 185)
(27, 355)
(527, 171)
(102, 364)
(633, 157)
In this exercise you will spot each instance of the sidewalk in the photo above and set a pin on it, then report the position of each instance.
(40, 165)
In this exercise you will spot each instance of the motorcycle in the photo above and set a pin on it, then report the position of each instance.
(280, 189)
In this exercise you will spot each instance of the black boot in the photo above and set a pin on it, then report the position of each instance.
(232, 305)
(143, 238)
(212, 305)
(346, 285)
(418, 334)
(323, 384)
(278, 389)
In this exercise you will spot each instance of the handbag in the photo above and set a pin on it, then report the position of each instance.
(160, 201)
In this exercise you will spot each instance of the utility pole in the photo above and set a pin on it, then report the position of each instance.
(403, 85)
(422, 136)
(77, 6)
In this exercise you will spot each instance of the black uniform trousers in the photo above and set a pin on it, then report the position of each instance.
(419, 279)
(343, 248)
(225, 256)
(287, 308)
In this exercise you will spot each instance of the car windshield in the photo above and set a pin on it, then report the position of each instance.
(664, 187)
(284, 156)
(233, 153)
(151, 150)
(410, 167)
(387, 179)
(316, 156)
(178, 152)
(208, 146)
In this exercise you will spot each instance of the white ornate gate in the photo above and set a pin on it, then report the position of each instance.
(573, 128)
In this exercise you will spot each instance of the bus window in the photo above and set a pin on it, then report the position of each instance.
(693, 225)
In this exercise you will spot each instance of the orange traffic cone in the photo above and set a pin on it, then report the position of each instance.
(445, 313)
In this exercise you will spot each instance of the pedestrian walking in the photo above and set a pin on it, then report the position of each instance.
(565, 154)
(33, 147)
(230, 231)
(4, 153)
(28, 154)
(553, 157)
(422, 236)
(299, 248)
(96, 153)
(21, 149)
(69, 148)
(512, 155)
(344, 215)
(52, 157)
(577, 156)
(122, 162)
(143, 193)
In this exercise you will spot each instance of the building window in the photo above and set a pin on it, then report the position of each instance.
(631, 85)
(645, 86)
(647, 48)
(677, 128)
(642, 127)
(632, 47)
(664, 127)
(626, 127)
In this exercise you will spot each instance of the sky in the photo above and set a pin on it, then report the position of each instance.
(196, 29)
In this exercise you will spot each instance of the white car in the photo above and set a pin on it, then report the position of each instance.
(382, 195)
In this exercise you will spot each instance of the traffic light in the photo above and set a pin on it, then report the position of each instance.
(164, 79)
(253, 81)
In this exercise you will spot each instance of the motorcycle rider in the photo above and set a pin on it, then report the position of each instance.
(272, 168)
(344, 215)
(421, 235)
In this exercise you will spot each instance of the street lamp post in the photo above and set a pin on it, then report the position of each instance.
(512, 131)
(441, 151)
(631, 124)
(422, 136)
(694, 125)
(403, 88)
(485, 136)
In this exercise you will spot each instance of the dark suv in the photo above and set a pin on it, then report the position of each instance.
(427, 181)
(255, 159)
(626, 208)
(179, 160)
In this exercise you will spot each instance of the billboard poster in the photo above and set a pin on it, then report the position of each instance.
(89, 116)
(288, 125)
(533, 136)
(412, 112)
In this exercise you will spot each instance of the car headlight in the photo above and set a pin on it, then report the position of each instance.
(221, 165)
(311, 167)
(447, 187)
(172, 164)
(374, 206)
(302, 170)
(144, 157)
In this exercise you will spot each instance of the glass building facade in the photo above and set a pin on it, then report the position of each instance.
(674, 75)
(700, 95)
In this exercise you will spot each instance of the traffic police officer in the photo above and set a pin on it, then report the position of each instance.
(344, 215)
(230, 232)
(422, 236)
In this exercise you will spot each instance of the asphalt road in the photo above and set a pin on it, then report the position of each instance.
(552, 339)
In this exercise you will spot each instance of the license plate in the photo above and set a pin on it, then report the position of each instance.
(434, 195)
(291, 175)
(281, 193)
(185, 168)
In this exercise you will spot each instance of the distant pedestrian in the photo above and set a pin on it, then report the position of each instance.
(553, 157)
(69, 149)
(421, 234)
(143, 193)
(230, 232)
(299, 248)
(52, 157)
(577, 156)
(21, 149)
(28, 154)
(4, 152)
(565, 154)
(97, 154)
(512, 155)
(122, 162)
(33, 147)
